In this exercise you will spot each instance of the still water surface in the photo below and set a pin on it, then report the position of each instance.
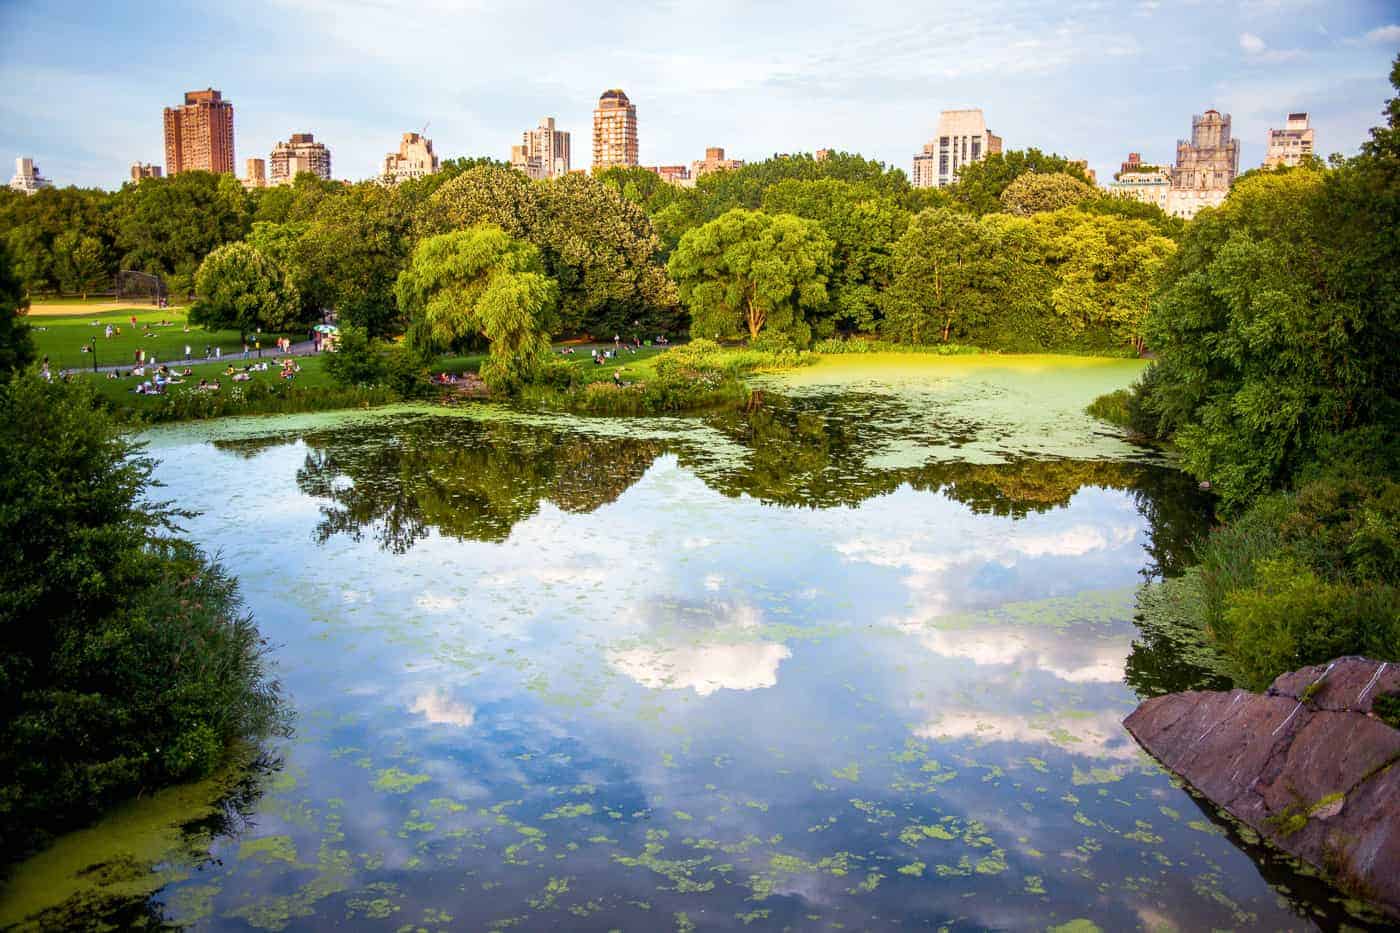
(855, 658)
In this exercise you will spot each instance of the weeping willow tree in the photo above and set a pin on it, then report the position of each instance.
(480, 282)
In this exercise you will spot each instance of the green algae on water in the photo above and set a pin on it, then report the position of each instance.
(133, 852)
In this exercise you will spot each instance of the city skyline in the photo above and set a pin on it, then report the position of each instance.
(1088, 81)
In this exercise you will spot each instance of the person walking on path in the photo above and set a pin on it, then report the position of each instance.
(245, 349)
(257, 345)
(187, 351)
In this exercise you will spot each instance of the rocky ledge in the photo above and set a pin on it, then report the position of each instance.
(1307, 765)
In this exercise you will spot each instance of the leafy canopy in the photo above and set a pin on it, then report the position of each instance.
(126, 662)
(238, 288)
(980, 184)
(480, 281)
(748, 271)
(1033, 193)
(16, 342)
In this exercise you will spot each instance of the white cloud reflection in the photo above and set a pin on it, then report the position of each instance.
(439, 708)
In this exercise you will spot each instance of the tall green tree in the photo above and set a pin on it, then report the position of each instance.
(80, 262)
(32, 223)
(863, 225)
(16, 343)
(168, 225)
(1278, 324)
(748, 271)
(599, 246)
(1108, 270)
(1034, 192)
(350, 254)
(979, 184)
(948, 269)
(480, 281)
(238, 288)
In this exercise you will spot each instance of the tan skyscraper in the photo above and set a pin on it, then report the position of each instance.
(544, 151)
(1289, 145)
(140, 170)
(199, 135)
(614, 131)
(255, 174)
(299, 154)
(962, 137)
(414, 159)
(1206, 166)
(714, 161)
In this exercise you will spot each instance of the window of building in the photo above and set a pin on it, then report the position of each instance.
(976, 149)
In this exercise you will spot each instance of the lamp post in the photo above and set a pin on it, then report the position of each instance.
(93, 341)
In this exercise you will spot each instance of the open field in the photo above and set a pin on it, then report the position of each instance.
(62, 337)
(120, 388)
(48, 307)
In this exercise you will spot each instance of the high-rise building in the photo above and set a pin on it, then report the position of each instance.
(1145, 183)
(823, 154)
(299, 154)
(677, 175)
(714, 161)
(140, 170)
(1289, 145)
(962, 137)
(255, 174)
(27, 177)
(414, 159)
(543, 152)
(1206, 166)
(199, 135)
(614, 131)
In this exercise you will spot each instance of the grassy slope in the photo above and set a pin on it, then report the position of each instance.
(61, 337)
(120, 391)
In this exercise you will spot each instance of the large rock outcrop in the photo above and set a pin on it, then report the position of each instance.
(1306, 765)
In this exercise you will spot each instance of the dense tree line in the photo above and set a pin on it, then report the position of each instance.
(977, 263)
(1278, 382)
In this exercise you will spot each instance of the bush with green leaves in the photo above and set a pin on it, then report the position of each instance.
(1300, 578)
(16, 342)
(238, 288)
(127, 661)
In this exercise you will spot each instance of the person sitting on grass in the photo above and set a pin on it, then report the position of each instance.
(230, 371)
(241, 377)
(617, 378)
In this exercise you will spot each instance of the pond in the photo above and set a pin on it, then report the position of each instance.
(856, 656)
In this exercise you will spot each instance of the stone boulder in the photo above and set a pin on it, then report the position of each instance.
(1306, 765)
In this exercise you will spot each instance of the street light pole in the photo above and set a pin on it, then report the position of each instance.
(93, 341)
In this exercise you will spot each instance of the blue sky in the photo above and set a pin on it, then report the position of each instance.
(84, 83)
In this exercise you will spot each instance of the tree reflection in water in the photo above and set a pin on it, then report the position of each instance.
(476, 479)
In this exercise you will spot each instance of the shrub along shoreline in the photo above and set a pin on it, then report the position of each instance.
(1277, 383)
(688, 377)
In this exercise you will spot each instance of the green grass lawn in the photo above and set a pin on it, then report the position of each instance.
(62, 337)
(121, 391)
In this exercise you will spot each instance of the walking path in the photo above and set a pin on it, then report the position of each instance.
(303, 348)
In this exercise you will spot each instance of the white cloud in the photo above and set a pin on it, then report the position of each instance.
(1100, 735)
(438, 707)
(1384, 34)
(703, 668)
(1251, 43)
